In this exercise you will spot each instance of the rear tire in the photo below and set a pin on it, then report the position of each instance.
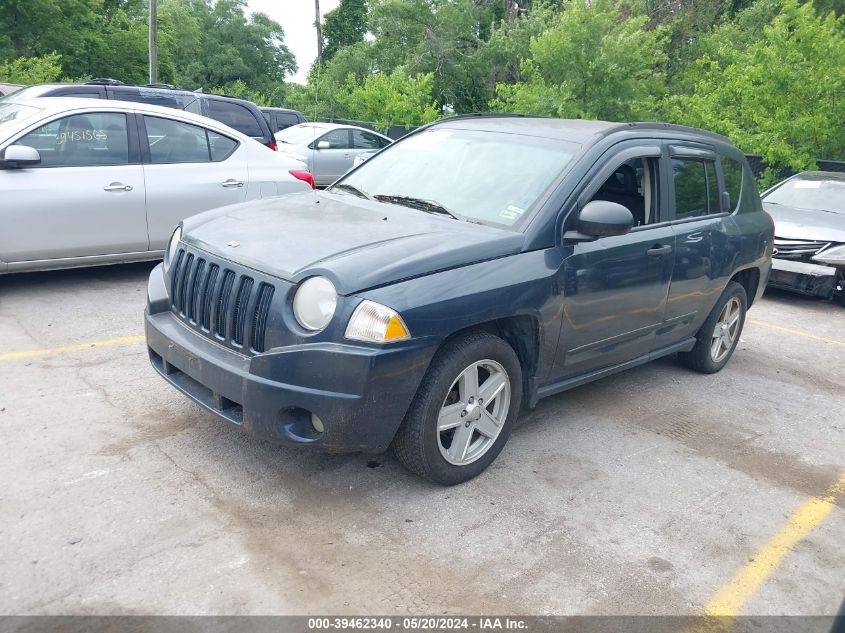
(464, 410)
(718, 336)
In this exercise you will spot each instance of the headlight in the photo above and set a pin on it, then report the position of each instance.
(314, 303)
(375, 323)
(834, 256)
(172, 247)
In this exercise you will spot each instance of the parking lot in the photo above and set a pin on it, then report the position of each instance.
(657, 491)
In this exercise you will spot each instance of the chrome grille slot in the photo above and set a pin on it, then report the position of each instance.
(259, 317)
(182, 288)
(223, 304)
(174, 281)
(240, 309)
(204, 318)
(191, 310)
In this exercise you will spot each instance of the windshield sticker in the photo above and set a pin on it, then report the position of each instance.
(511, 212)
(807, 184)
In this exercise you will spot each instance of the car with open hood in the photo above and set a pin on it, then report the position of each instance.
(473, 267)
(809, 214)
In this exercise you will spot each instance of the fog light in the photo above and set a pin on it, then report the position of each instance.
(317, 423)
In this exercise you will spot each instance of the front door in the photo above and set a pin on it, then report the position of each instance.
(332, 162)
(615, 288)
(189, 169)
(85, 198)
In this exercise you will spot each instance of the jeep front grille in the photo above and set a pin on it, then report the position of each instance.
(220, 302)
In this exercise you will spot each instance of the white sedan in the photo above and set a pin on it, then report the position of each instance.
(86, 182)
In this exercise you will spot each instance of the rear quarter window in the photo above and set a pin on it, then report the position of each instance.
(732, 173)
(235, 116)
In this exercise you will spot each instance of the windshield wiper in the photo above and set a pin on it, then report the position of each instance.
(344, 187)
(429, 206)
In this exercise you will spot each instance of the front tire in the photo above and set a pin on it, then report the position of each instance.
(719, 335)
(464, 410)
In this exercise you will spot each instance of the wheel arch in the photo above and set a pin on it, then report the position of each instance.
(748, 278)
(522, 333)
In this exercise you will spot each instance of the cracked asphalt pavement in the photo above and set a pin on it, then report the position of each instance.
(643, 493)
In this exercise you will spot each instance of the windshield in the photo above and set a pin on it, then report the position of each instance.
(805, 193)
(300, 134)
(490, 177)
(24, 93)
(11, 112)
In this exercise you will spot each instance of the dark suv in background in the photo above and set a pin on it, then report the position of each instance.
(239, 114)
(281, 118)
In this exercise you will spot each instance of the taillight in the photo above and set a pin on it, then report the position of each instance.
(301, 174)
(272, 145)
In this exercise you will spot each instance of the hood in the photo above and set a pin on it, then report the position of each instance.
(794, 223)
(355, 242)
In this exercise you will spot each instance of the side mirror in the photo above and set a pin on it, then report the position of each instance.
(601, 218)
(323, 145)
(19, 156)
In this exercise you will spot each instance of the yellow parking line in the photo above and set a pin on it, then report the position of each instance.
(111, 342)
(730, 599)
(790, 330)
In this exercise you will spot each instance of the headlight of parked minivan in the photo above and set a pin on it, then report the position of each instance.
(172, 247)
(375, 323)
(314, 303)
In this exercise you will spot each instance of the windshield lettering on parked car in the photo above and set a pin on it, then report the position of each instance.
(477, 175)
(820, 194)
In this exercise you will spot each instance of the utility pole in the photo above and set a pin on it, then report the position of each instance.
(152, 43)
(319, 32)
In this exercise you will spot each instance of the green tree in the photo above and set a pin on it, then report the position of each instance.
(344, 26)
(591, 63)
(392, 99)
(31, 70)
(782, 95)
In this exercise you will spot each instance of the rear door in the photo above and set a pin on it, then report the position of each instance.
(703, 231)
(335, 160)
(187, 169)
(85, 198)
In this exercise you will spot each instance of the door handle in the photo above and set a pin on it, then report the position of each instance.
(231, 183)
(347, 155)
(659, 251)
(117, 186)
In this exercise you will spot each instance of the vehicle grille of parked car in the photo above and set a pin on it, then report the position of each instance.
(220, 303)
(797, 250)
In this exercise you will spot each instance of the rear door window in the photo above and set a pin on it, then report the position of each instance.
(176, 142)
(696, 189)
(365, 140)
(235, 116)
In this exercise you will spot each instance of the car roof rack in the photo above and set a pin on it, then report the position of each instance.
(162, 86)
(104, 81)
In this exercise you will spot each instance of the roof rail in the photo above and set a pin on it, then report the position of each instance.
(104, 81)
(163, 86)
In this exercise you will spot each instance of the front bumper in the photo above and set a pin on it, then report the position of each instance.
(815, 280)
(360, 393)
